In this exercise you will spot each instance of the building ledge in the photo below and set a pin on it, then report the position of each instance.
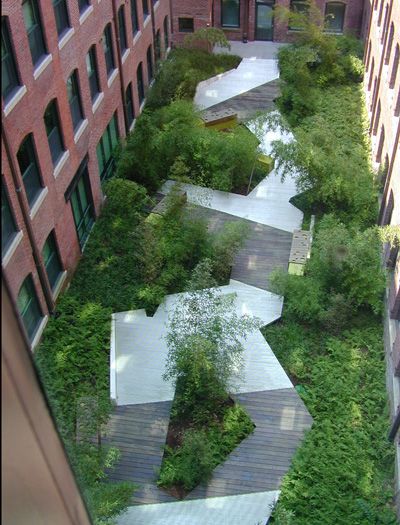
(136, 37)
(125, 55)
(38, 202)
(112, 77)
(85, 14)
(11, 249)
(14, 100)
(60, 164)
(97, 101)
(59, 284)
(42, 66)
(67, 36)
(146, 21)
(82, 126)
(39, 332)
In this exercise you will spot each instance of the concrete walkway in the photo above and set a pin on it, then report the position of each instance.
(257, 49)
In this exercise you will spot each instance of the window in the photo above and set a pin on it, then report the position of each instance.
(29, 169)
(74, 99)
(81, 202)
(130, 110)
(53, 131)
(122, 31)
(299, 7)
(52, 261)
(368, 56)
(186, 25)
(105, 148)
(91, 68)
(9, 74)
(380, 13)
(395, 67)
(377, 118)
(145, 8)
(34, 29)
(149, 56)
(397, 106)
(230, 14)
(139, 77)
(61, 14)
(8, 225)
(381, 143)
(371, 75)
(108, 49)
(83, 5)
(135, 24)
(166, 33)
(334, 16)
(157, 46)
(384, 29)
(390, 44)
(29, 308)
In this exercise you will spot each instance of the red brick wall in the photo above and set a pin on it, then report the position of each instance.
(27, 117)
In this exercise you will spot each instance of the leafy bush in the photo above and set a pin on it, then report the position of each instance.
(224, 247)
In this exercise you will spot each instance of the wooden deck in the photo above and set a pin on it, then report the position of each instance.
(247, 104)
(258, 464)
(264, 250)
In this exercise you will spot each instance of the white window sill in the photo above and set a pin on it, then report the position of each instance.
(38, 203)
(60, 164)
(11, 249)
(39, 332)
(14, 100)
(59, 285)
(136, 37)
(146, 20)
(85, 14)
(97, 101)
(125, 55)
(112, 77)
(142, 105)
(42, 66)
(132, 126)
(82, 126)
(156, 5)
(67, 36)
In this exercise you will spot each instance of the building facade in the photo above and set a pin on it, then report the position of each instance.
(382, 90)
(74, 76)
(250, 20)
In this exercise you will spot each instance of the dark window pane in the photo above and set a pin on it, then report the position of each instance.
(29, 169)
(145, 8)
(82, 208)
(139, 76)
(157, 46)
(34, 30)
(28, 306)
(53, 131)
(300, 7)
(8, 227)
(61, 14)
(186, 25)
(91, 68)
(230, 13)
(83, 5)
(130, 112)
(149, 64)
(135, 24)
(108, 49)
(122, 31)
(105, 149)
(9, 75)
(51, 261)
(74, 100)
(334, 16)
(166, 33)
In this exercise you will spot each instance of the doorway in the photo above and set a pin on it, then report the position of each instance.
(264, 19)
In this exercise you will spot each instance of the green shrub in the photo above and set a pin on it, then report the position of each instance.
(225, 246)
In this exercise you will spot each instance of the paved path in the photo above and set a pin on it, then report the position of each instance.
(256, 49)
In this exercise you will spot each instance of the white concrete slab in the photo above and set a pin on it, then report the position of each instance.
(245, 509)
(250, 73)
(256, 49)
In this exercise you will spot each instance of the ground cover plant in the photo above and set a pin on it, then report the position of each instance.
(204, 355)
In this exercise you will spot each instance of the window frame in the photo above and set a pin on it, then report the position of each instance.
(54, 256)
(75, 102)
(108, 162)
(10, 64)
(145, 7)
(140, 83)
(233, 26)
(166, 32)
(134, 18)
(395, 67)
(326, 14)
(32, 305)
(296, 3)
(38, 34)
(83, 5)
(182, 29)
(149, 62)
(82, 175)
(123, 39)
(91, 55)
(130, 115)
(61, 16)
(32, 171)
(7, 236)
(108, 49)
(57, 127)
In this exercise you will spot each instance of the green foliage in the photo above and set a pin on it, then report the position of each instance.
(207, 37)
(179, 75)
(225, 244)
(177, 145)
(341, 474)
(203, 449)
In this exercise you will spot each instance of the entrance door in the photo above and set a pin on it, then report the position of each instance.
(264, 19)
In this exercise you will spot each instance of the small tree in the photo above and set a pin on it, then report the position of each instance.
(205, 346)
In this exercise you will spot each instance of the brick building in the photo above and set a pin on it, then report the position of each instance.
(75, 74)
(254, 19)
(382, 87)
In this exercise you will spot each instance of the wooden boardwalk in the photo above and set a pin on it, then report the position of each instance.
(249, 103)
(264, 250)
